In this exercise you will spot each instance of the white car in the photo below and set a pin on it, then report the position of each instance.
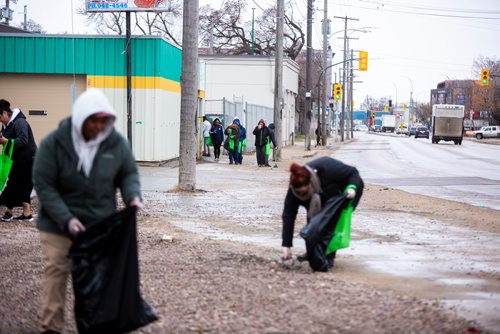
(360, 127)
(488, 132)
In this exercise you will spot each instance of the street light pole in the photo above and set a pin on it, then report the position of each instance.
(411, 102)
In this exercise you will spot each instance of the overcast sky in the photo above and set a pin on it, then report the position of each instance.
(410, 44)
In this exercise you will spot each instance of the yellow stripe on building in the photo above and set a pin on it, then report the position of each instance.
(96, 81)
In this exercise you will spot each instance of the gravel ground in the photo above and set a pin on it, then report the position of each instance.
(202, 286)
(199, 285)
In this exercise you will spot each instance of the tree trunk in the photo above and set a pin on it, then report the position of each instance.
(189, 96)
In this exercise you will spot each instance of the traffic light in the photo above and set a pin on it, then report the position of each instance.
(373, 115)
(485, 77)
(337, 92)
(363, 61)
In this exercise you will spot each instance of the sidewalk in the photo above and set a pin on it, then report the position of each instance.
(165, 177)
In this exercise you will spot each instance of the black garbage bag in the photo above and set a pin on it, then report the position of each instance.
(319, 231)
(105, 272)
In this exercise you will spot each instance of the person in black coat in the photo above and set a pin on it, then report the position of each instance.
(19, 187)
(311, 186)
(217, 135)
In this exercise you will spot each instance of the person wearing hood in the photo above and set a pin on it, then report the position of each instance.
(242, 141)
(311, 185)
(19, 186)
(262, 138)
(232, 133)
(77, 171)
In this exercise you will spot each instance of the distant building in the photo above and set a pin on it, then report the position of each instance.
(249, 80)
(482, 104)
(4, 28)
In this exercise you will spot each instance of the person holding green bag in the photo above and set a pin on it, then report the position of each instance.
(311, 186)
(233, 140)
(19, 186)
(262, 143)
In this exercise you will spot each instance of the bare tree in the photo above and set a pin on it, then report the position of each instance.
(487, 98)
(229, 33)
(189, 96)
(32, 26)
(164, 23)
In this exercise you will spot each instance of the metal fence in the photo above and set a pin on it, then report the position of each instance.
(249, 115)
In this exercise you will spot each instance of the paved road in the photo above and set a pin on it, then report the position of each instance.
(468, 173)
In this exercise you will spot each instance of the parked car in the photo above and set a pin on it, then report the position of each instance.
(360, 127)
(377, 128)
(488, 132)
(411, 131)
(422, 131)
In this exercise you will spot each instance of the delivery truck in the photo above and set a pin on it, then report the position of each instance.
(388, 123)
(447, 123)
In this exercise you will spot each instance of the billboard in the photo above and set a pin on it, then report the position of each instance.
(126, 5)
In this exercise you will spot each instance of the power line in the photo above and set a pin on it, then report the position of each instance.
(422, 14)
(441, 9)
(255, 2)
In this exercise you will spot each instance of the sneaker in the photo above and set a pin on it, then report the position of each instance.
(24, 218)
(7, 217)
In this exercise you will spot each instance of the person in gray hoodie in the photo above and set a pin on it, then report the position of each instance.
(77, 171)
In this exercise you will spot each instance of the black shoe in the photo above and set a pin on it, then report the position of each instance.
(7, 217)
(302, 257)
(24, 218)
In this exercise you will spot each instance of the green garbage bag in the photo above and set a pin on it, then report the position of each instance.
(342, 235)
(6, 163)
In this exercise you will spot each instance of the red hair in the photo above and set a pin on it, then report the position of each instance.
(299, 175)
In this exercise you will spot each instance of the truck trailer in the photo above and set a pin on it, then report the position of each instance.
(447, 123)
(388, 123)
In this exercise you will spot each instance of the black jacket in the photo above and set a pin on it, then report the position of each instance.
(24, 142)
(262, 135)
(334, 176)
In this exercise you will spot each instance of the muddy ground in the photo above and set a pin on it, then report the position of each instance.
(216, 281)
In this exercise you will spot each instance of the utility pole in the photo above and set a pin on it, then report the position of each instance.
(253, 31)
(278, 78)
(325, 85)
(307, 123)
(129, 79)
(351, 77)
(6, 13)
(189, 96)
(344, 77)
(25, 18)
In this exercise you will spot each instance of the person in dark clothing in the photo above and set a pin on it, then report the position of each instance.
(271, 128)
(217, 135)
(311, 186)
(318, 133)
(262, 138)
(19, 186)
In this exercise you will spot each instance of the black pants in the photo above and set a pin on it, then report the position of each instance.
(217, 150)
(261, 155)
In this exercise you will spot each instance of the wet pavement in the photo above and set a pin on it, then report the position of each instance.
(399, 251)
